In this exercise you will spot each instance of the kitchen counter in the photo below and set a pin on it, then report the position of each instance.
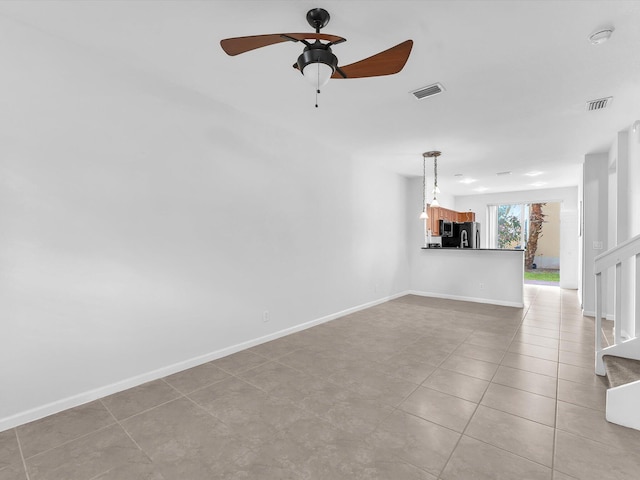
(481, 275)
(474, 249)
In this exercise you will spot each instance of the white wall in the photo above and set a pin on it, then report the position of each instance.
(146, 228)
(595, 206)
(581, 236)
(569, 254)
(633, 189)
(483, 276)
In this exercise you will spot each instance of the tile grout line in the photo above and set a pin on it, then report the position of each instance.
(556, 429)
(72, 440)
(381, 404)
(150, 408)
(479, 403)
(115, 422)
(578, 405)
(24, 462)
(555, 413)
(362, 437)
(126, 431)
(444, 467)
(210, 414)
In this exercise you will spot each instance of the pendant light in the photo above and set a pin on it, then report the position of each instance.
(435, 154)
(423, 214)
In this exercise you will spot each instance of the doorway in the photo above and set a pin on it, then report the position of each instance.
(534, 227)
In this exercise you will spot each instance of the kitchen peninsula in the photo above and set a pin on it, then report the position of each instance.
(483, 275)
(471, 274)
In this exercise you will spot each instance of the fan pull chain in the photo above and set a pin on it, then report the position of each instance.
(318, 90)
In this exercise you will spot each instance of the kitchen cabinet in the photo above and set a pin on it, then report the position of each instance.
(439, 213)
(466, 217)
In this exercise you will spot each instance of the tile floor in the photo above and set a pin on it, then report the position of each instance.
(415, 388)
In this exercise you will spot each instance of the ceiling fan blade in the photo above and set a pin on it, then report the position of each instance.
(238, 45)
(384, 63)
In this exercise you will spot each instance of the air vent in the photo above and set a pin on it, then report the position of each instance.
(429, 91)
(599, 104)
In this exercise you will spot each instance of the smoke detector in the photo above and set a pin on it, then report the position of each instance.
(601, 36)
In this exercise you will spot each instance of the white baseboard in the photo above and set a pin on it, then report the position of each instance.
(468, 299)
(94, 394)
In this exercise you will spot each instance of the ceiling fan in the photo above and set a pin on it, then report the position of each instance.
(317, 62)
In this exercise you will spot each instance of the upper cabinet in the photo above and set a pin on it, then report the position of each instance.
(466, 217)
(438, 213)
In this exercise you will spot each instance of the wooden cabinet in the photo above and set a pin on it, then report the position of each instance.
(466, 217)
(439, 213)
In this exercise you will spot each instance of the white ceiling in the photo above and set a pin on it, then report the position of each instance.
(517, 75)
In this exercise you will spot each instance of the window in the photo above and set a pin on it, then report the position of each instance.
(510, 222)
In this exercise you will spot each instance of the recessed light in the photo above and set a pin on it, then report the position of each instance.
(457, 175)
(503, 173)
(533, 173)
(601, 36)
(467, 181)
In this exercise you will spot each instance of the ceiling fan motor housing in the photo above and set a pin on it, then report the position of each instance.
(317, 53)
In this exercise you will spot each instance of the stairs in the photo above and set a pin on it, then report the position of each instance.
(623, 396)
(621, 371)
(621, 360)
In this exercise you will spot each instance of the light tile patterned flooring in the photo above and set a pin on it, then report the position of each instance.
(415, 388)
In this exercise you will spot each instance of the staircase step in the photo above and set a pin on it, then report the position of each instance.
(621, 370)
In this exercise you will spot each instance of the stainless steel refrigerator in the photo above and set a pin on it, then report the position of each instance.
(463, 235)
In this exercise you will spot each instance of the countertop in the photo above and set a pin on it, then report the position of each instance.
(475, 249)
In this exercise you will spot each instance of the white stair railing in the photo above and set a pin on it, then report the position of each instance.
(617, 258)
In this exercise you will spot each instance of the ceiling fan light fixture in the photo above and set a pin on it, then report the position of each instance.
(317, 64)
(318, 74)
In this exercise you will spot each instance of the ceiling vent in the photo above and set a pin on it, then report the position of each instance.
(428, 91)
(599, 104)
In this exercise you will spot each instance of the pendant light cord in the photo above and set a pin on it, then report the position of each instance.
(435, 176)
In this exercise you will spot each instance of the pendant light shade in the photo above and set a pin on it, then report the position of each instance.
(318, 74)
